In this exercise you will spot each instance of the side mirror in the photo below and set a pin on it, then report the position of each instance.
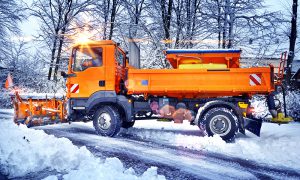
(63, 74)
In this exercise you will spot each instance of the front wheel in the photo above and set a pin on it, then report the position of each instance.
(222, 122)
(107, 121)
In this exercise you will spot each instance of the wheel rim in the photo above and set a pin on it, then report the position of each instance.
(104, 121)
(220, 125)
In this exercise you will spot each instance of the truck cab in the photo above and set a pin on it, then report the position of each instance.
(94, 67)
(96, 75)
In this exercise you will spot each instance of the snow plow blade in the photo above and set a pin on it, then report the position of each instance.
(253, 125)
(38, 110)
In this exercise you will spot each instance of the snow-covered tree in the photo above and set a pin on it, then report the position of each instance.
(188, 23)
(56, 17)
(240, 21)
(134, 10)
(10, 15)
(105, 13)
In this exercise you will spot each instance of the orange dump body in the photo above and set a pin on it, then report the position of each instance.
(211, 79)
(36, 111)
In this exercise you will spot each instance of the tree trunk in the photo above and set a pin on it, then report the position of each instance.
(61, 41)
(169, 16)
(106, 7)
(53, 51)
(194, 10)
(292, 37)
(230, 30)
(62, 38)
(225, 24)
(188, 21)
(112, 18)
(178, 10)
(52, 57)
(227, 3)
(219, 24)
(166, 17)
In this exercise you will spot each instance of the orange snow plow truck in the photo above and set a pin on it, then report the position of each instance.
(206, 87)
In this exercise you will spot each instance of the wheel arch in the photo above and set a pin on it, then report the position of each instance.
(109, 98)
(98, 105)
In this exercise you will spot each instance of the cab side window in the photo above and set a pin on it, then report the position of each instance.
(119, 57)
(84, 58)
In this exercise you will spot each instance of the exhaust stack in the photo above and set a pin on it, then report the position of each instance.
(134, 54)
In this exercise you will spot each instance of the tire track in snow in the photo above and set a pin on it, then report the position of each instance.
(126, 155)
(261, 171)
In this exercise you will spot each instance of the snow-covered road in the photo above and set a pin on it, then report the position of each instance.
(172, 161)
(179, 152)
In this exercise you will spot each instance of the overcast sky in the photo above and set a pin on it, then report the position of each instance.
(278, 5)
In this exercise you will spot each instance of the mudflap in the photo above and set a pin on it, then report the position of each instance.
(253, 125)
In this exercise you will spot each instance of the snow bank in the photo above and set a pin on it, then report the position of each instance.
(6, 113)
(293, 104)
(278, 145)
(24, 150)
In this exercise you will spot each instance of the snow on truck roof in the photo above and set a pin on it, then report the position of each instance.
(179, 51)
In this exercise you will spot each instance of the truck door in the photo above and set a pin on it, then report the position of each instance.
(86, 72)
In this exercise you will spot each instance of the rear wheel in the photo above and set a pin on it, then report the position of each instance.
(220, 121)
(107, 121)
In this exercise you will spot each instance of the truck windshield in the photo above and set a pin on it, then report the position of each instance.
(84, 58)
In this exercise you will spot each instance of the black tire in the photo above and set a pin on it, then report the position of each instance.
(127, 124)
(107, 121)
(220, 121)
